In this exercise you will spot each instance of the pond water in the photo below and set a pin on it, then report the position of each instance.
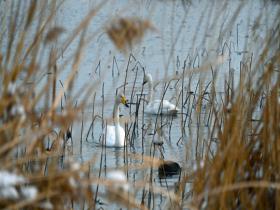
(190, 33)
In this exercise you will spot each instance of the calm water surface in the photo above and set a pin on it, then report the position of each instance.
(194, 34)
(190, 34)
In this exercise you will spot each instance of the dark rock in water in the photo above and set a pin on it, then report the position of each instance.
(168, 168)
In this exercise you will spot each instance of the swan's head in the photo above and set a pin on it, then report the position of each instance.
(120, 99)
(147, 78)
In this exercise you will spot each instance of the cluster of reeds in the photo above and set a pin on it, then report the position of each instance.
(37, 110)
(35, 118)
(243, 173)
(242, 170)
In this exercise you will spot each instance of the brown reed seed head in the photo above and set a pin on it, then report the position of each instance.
(125, 32)
(53, 34)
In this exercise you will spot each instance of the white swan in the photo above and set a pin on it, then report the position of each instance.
(119, 180)
(115, 134)
(157, 106)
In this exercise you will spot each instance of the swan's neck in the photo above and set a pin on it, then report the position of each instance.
(150, 93)
(116, 123)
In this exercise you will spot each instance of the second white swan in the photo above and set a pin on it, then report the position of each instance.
(157, 106)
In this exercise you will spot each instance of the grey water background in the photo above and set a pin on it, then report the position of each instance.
(193, 32)
(180, 36)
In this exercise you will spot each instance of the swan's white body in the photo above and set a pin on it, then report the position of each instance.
(115, 134)
(165, 108)
(157, 106)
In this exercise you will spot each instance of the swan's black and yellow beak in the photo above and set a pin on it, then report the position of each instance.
(124, 101)
(144, 82)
